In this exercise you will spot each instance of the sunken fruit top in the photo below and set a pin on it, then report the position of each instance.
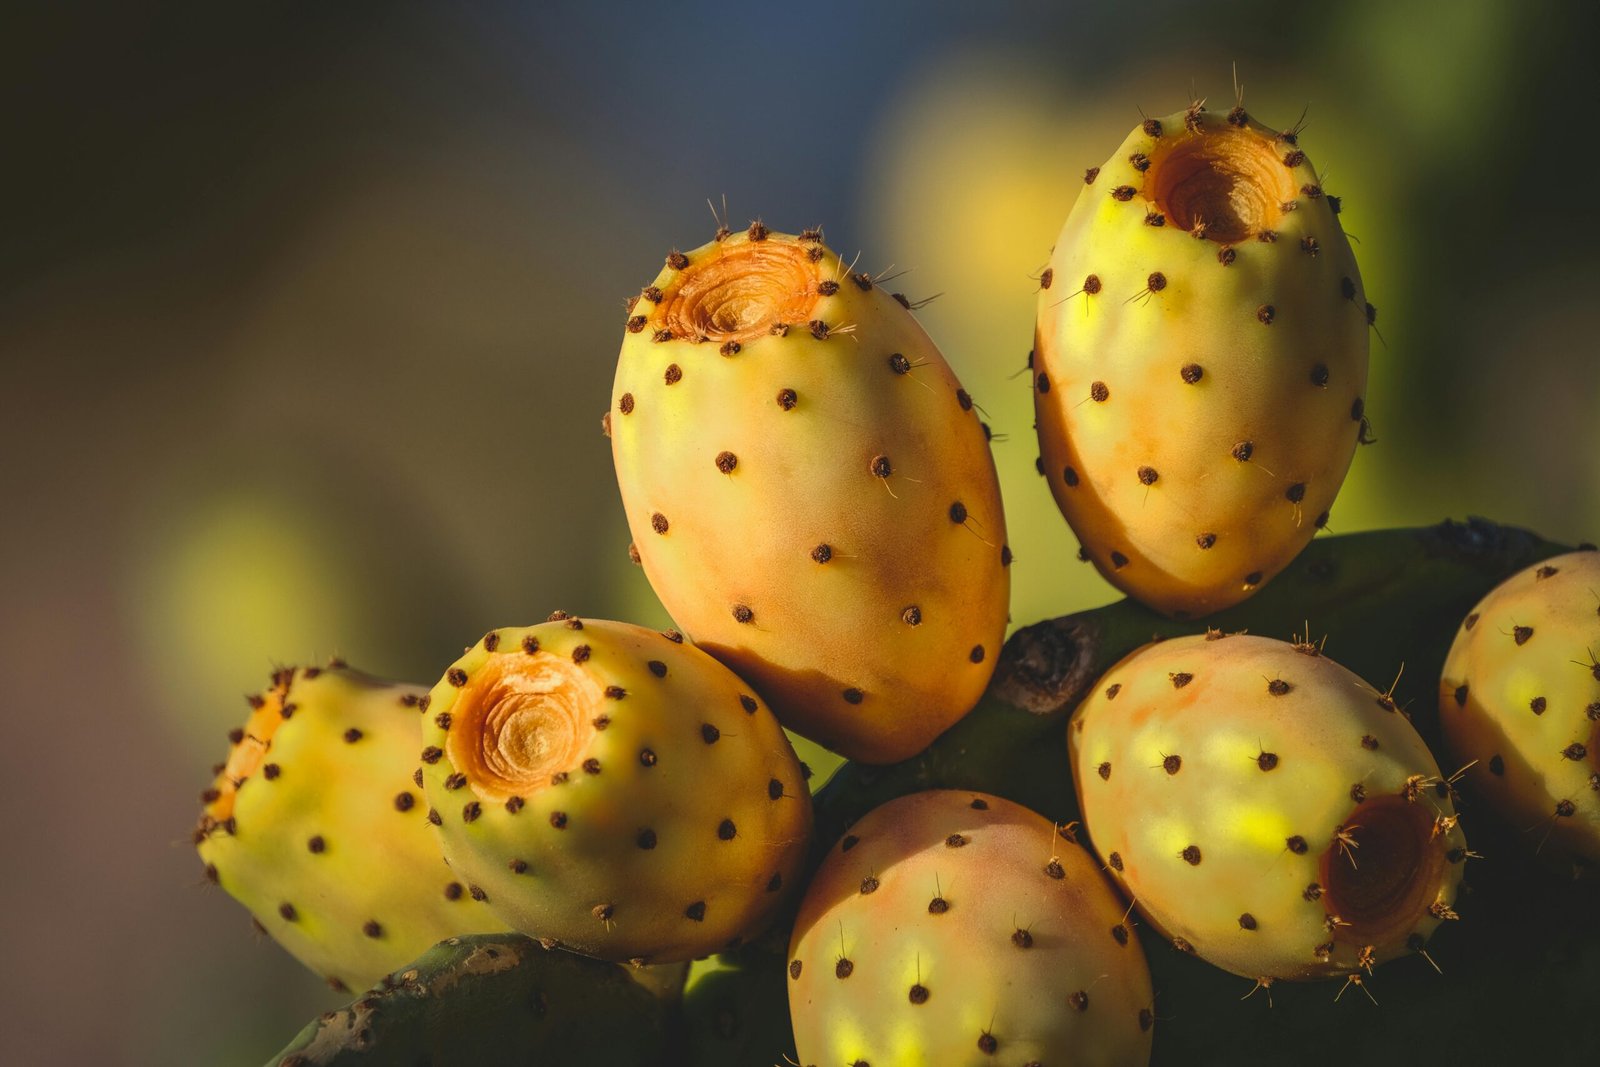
(521, 720)
(1224, 183)
(740, 294)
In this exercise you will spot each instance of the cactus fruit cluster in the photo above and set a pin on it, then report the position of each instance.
(810, 490)
(613, 789)
(1266, 809)
(951, 927)
(811, 495)
(317, 826)
(1519, 704)
(1200, 360)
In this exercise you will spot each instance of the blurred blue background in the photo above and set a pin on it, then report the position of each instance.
(308, 315)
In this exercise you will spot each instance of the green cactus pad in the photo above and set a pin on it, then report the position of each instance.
(494, 999)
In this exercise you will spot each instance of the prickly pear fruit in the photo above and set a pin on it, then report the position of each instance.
(613, 789)
(810, 491)
(952, 927)
(1265, 808)
(1519, 701)
(1200, 361)
(315, 824)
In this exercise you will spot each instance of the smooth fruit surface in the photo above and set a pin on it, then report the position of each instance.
(1200, 360)
(1519, 703)
(810, 491)
(1265, 808)
(950, 927)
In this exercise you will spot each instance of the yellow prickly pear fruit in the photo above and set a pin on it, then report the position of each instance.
(810, 491)
(959, 928)
(1200, 360)
(1265, 808)
(1520, 701)
(614, 789)
(316, 825)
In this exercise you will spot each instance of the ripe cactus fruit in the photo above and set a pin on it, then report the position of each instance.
(1519, 700)
(810, 491)
(952, 927)
(613, 789)
(1200, 360)
(315, 825)
(1265, 808)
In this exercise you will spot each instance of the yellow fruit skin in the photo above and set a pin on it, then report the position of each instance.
(1135, 376)
(326, 839)
(955, 928)
(1256, 754)
(806, 415)
(657, 783)
(1519, 700)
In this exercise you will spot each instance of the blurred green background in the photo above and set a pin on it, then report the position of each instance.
(308, 315)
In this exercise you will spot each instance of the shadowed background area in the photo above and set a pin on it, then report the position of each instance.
(308, 314)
